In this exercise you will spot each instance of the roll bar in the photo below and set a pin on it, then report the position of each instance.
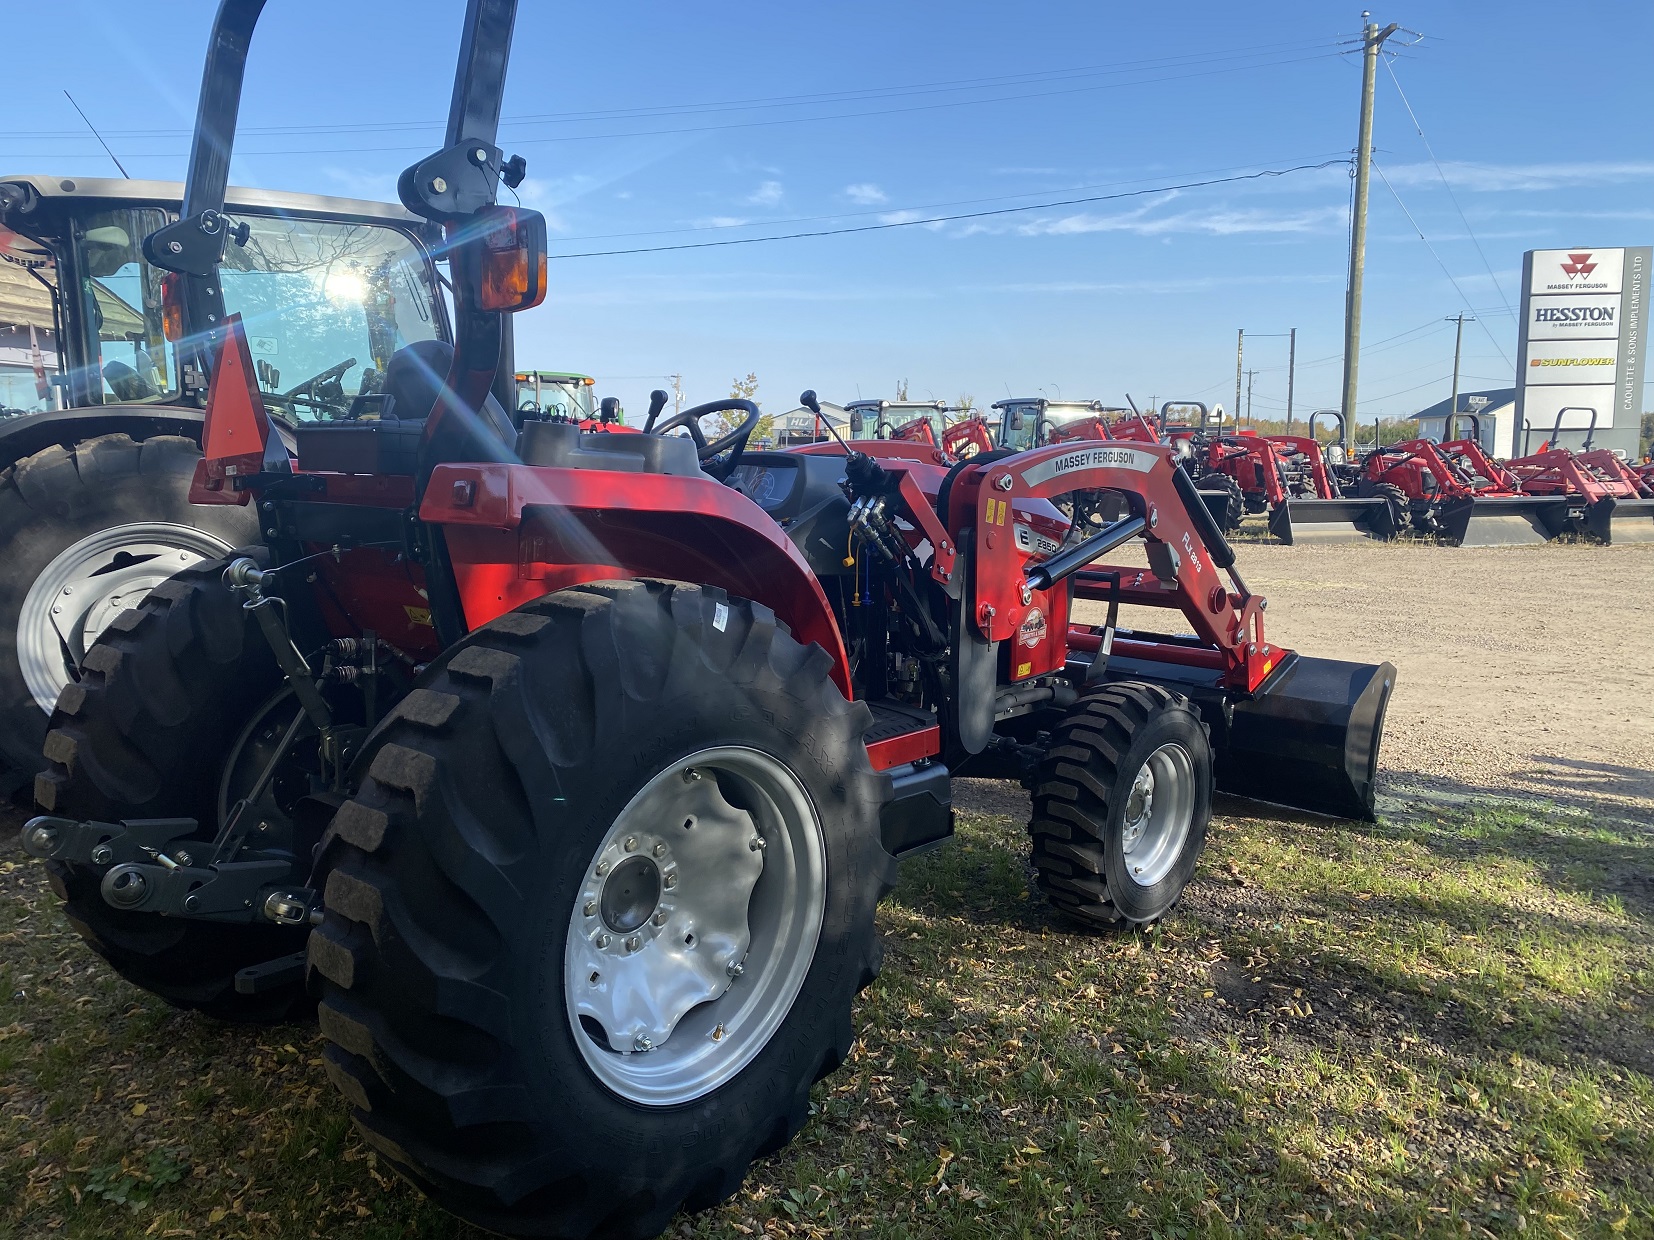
(445, 187)
(1590, 431)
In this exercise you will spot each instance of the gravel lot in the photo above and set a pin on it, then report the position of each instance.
(1526, 671)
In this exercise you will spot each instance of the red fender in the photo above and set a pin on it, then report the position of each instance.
(517, 532)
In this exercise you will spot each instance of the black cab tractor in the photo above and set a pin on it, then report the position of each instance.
(101, 403)
(564, 770)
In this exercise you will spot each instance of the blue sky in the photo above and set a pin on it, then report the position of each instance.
(650, 125)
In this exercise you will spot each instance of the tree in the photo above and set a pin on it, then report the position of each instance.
(722, 423)
(901, 389)
(966, 404)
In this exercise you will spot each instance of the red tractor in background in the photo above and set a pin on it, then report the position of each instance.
(1606, 498)
(1455, 491)
(567, 777)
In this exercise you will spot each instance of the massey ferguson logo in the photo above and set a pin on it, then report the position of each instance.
(1578, 267)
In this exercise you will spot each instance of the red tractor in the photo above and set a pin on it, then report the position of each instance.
(1454, 490)
(567, 777)
(921, 422)
(1606, 498)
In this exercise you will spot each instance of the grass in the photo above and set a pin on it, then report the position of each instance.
(1442, 1025)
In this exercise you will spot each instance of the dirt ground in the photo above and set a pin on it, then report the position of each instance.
(1526, 671)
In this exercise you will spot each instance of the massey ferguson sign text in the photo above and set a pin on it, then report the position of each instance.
(1583, 346)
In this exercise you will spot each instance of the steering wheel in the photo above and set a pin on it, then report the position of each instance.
(734, 443)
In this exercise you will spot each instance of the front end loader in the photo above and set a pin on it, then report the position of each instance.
(565, 777)
(1606, 498)
(1455, 492)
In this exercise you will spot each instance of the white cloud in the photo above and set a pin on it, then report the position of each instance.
(768, 194)
(866, 193)
(721, 221)
(1508, 177)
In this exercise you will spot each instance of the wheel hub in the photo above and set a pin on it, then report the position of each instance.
(630, 894)
(1158, 815)
(694, 926)
(87, 585)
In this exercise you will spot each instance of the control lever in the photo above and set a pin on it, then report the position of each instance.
(657, 402)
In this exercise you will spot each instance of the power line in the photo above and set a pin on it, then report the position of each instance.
(946, 219)
(1439, 263)
(883, 210)
(790, 120)
(996, 81)
(1448, 186)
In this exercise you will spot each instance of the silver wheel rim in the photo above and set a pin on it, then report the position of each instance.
(695, 925)
(1160, 808)
(90, 583)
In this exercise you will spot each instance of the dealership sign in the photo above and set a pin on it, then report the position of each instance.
(1584, 341)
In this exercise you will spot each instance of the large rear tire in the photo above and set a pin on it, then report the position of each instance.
(87, 532)
(1121, 805)
(532, 1017)
(164, 698)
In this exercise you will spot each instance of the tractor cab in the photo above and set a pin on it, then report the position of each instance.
(556, 394)
(1033, 421)
(901, 420)
(328, 289)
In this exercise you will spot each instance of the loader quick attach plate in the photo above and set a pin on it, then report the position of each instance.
(1612, 520)
(1502, 520)
(1332, 520)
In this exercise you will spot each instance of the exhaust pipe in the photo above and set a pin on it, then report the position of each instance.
(1332, 520)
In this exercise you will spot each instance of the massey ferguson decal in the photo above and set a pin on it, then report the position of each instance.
(1578, 266)
(1112, 455)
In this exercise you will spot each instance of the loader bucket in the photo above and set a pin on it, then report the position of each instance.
(1502, 520)
(1613, 520)
(1332, 520)
(1308, 738)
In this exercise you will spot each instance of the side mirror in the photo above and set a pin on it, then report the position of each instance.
(857, 424)
(511, 273)
(608, 409)
(1014, 419)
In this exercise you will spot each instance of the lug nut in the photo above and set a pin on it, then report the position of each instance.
(631, 843)
(660, 850)
(690, 775)
(102, 854)
(659, 919)
(757, 843)
(670, 881)
(633, 943)
(641, 1043)
(591, 908)
(735, 968)
(602, 868)
(602, 940)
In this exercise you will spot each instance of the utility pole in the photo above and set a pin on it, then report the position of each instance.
(1240, 351)
(1458, 341)
(1291, 373)
(1372, 38)
(1250, 375)
(677, 393)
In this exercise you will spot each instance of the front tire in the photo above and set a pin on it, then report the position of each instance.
(1121, 805)
(551, 1005)
(88, 530)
